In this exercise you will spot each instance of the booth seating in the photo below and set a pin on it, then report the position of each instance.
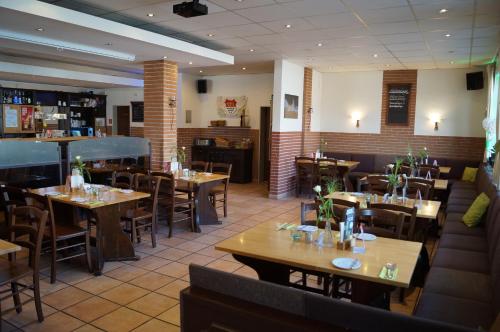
(463, 285)
(227, 302)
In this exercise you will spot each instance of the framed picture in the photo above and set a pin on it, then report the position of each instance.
(291, 106)
(398, 100)
(137, 111)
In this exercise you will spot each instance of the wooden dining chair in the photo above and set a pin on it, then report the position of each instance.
(414, 187)
(434, 170)
(63, 241)
(15, 273)
(123, 180)
(9, 197)
(327, 171)
(145, 214)
(430, 183)
(381, 222)
(221, 189)
(377, 184)
(199, 166)
(306, 176)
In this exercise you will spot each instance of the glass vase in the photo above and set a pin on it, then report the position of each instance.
(326, 239)
(394, 197)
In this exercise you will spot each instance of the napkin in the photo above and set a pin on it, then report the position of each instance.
(95, 203)
(114, 190)
(383, 273)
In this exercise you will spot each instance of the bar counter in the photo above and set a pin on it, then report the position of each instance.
(53, 139)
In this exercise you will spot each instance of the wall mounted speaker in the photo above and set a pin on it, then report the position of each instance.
(475, 81)
(202, 86)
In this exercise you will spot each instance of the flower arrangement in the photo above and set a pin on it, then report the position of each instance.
(394, 177)
(181, 154)
(322, 145)
(423, 154)
(410, 158)
(80, 166)
(326, 204)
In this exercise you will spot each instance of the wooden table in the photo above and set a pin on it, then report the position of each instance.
(349, 164)
(428, 209)
(202, 184)
(7, 247)
(439, 184)
(444, 169)
(273, 254)
(111, 242)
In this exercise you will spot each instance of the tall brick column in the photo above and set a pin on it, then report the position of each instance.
(160, 127)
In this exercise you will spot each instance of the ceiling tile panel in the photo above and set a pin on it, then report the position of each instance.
(397, 27)
(217, 20)
(267, 13)
(374, 4)
(334, 21)
(386, 15)
(232, 4)
(297, 24)
(314, 7)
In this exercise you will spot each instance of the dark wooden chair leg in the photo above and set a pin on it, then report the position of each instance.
(401, 295)
(15, 295)
(87, 251)
(153, 232)
(133, 233)
(225, 205)
(38, 300)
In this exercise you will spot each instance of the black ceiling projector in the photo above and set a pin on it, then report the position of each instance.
(190, 9)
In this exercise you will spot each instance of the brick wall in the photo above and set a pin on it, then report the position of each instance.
(310, 140)
(285, 146)
(137, 131)
(394, 139)
(185, 138)
(160, 84)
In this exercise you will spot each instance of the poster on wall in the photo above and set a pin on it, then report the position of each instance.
(398, 101)
(231, 107)
(27, 119)
(11, 117)
(137, 111)
(291, 106)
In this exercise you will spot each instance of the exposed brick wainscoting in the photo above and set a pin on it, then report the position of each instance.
(285, 146)
(185, 138)
(307, 98)
(137, 131)
(160, 127)
(312, 140)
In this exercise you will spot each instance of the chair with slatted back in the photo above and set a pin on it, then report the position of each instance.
(199, 166)
(123, 180)
(430, 183)
(327, 172)
(11, 196)
(177, 208)
(63, 240)
(377, 184)
(306, 176)
(221, 189)
(14, 273)
(145, 214)
(414, 187)
(405, 169)
(381, 222)
(434, 170)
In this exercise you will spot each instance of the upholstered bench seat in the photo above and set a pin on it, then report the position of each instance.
(462, 260)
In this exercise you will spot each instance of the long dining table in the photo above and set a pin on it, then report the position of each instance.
(112, 244)
(273, 254)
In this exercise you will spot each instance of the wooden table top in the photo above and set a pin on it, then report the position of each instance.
(350, 164)
(439, 184)
(7, 247)
(52, 139)
(428, 210)
(202, 177)
(444, 169)
(110, 197)
(266, 243)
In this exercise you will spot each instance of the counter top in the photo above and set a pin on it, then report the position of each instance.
(53, 139)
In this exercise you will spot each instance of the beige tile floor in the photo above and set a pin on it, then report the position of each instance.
(144, 295)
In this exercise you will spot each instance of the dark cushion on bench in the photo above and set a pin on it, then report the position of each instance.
(460, 228)
(463, 242)
(366, 162)
(462, 260)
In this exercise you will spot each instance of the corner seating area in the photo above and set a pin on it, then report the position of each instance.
(463, 285)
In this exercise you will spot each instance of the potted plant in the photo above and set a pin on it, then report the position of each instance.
(394, 179)
(80, 168)
(325, 212)
(412, 162)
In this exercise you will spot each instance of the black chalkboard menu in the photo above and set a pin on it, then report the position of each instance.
(137, 111)
(398, 101)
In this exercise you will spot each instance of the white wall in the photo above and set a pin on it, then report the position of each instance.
(350, 93)
(443, 93)
(122, 97)
(257, 87)
(316, 100)
(288, 79)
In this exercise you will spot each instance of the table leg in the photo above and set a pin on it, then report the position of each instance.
(267, 271)
(112, 243)
(370, 293)
(205, 213)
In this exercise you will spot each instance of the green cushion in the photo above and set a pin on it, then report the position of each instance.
(478, 208)
(469, 174)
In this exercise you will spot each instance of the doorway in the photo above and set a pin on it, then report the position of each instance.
(123, 120)
(265, 144)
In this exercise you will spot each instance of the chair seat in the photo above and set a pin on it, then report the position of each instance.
(66, 231)
(10, 271)
(217, 190)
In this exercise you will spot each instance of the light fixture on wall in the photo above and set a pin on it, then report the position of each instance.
(435, 119)
(310, 110)
(172, 102)
(356, 116)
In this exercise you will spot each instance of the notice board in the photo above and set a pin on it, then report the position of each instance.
(398, 99)
(137, 111)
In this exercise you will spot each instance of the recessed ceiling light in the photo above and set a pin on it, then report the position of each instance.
(239, 0)
(40, 29)
(442, 11)
(251, 50)
(452, 62)
(375, 55)
(165, 57)
(244, 68)
(387, 65)
(190, 62)
(288, 26)
(210, 35)
(108, 44)
(60, 49)
(447, 35)
(201, 71)
(151, 14)
(320, 44)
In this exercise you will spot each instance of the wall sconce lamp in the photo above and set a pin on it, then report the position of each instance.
(310, 110)
(172, 102)
(436, 125)
(435, 118)
(356, 116)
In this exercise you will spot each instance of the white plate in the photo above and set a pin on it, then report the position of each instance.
(53, 193)
(307, 228)
(78, 199)
(126, 191)
(366, 237)
(345, 263)
(357, 194)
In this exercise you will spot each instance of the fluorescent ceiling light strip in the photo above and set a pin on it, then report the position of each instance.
(31, 39)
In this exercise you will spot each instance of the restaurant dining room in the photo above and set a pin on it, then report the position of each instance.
(245, 165)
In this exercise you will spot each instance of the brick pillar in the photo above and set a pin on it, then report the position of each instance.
(307, 103)
(160, 126)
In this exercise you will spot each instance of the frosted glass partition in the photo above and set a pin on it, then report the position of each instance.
(28, 153)
(109, 148)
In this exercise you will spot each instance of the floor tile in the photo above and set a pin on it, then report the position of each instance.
(99, 284)
(173, 253)
(171, 242)
(152, 281)
(120, 320)
(6, 327)
(28, 315)
(126, 273)
(91, 309)
(74, 276)
(124, 294)
(155, 325)
(225, 266)
(87, 328)
(173, 269)
(210, 251)
(58, 322)
(172, 290)
(196, 259)
(172, 315)
(192, 246)
(150, 263)
(66, 297)
(153, 304)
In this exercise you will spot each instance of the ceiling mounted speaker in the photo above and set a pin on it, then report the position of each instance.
(475, 81)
